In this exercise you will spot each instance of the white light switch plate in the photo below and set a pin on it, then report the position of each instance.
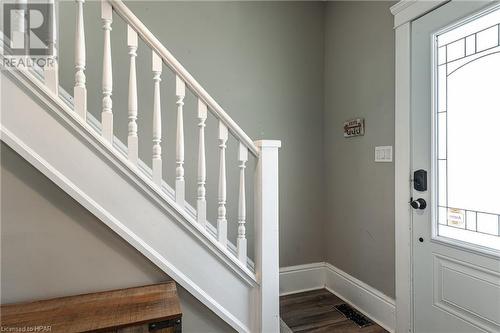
(383, 154)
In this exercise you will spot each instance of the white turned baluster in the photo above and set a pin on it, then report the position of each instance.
(201, 204)
(221, 211)
(180, 92)
(18, 26)
(107, 73)
(51, 69)
(242, 210)
(157, 68)
(80, 91)
(133, 140)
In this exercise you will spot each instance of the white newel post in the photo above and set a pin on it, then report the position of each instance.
(267, 235)
(80, 91)
(51, 69)
(107, 73)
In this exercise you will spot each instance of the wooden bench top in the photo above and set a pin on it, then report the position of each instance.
(101, 311)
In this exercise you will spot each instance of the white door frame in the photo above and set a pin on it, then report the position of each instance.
(404, 13)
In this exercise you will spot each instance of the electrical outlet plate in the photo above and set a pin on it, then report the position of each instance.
(383, 154)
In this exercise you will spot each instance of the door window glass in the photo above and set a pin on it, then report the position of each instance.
(467, 131)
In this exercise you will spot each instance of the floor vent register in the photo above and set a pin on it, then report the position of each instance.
(354, 315)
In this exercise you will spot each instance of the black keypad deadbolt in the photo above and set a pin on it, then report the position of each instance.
(420, 180)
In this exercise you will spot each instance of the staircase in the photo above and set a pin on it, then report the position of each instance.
(55, 133)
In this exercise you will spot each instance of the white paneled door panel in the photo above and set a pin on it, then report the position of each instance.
(455, 114)
(478, 302)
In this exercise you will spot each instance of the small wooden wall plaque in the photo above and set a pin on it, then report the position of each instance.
(354, 127)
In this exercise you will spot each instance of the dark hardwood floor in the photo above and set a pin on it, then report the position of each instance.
(314, 311)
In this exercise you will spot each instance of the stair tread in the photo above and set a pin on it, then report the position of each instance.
(100, 311)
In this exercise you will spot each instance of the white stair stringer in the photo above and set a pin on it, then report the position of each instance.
(49, 135)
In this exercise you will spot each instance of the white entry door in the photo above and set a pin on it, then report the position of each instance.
(455, 106)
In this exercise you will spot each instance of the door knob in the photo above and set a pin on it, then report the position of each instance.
(419, 203)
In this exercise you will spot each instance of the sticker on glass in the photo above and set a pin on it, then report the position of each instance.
(456, 218)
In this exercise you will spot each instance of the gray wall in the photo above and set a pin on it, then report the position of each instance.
(51, 246)
(262, 61)
(359, 82)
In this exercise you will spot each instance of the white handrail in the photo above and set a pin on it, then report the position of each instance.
(146, 35)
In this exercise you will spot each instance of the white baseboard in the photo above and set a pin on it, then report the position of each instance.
(296, 279)
(368, 300)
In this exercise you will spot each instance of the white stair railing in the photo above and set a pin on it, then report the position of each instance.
(266, 212)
